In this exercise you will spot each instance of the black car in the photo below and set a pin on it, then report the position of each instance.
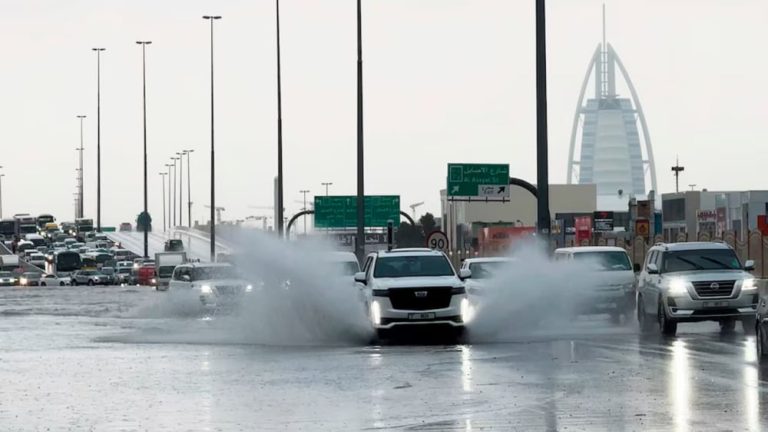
(174, 245)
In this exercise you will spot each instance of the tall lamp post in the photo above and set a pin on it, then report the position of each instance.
(360, 242)
(542, 158)
(144, 106)
(162, 177)
(279, 204)
(173, 196)
(98, 137)
(169, 166)
(304, 192)
(189, 190)
(326, 184)
(1, 195)
(80, 209)
(212, 18)
(181, 188)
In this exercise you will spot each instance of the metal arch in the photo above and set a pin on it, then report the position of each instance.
(577, 115)
(309, 212)
(640, 114)
(525, 185)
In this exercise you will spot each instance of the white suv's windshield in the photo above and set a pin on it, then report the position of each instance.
(607, 261)
(410, 266)
(704, 259)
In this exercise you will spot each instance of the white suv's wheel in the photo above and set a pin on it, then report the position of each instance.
(667, 326)
(762, 355)
(646, 324)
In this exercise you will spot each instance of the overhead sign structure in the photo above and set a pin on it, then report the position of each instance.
(603, 221)
(478, 180)
(340, 211)
(438, 240)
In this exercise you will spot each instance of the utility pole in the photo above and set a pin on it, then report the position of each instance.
(279, 204)
(144, 105)
(326, 184)
(212, 18)
(542, 157)
(360, 238)
(181, 188)
(1, 195)
(189, 190)
(81, 209)
(173, 199)
(677, 169)
(98, 137)
(162, 177)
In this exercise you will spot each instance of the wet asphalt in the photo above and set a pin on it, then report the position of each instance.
(110, 359)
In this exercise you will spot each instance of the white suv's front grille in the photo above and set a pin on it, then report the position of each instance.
(714, 288)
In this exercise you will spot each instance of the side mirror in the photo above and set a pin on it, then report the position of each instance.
(637, 268)
(360, 277)
(749, 265)
(465, 274)
(653, 269)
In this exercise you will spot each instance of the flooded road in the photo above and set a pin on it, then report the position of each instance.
(119, 359)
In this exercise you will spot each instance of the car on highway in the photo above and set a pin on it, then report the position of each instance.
(217, 285)
(611, 280)
(24, 246)
(37, 259)
(173, 245)
(30, 278)
(697, 281)
(89, 277)
(483, 269)
(49, 279)
(126, 227)
(125, 276)
(8, 279)
(413, 287)
(146, 274)
(110, 274)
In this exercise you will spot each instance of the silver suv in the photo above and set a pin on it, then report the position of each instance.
(691, 282)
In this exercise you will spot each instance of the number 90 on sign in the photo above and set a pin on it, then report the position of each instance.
(437, 240)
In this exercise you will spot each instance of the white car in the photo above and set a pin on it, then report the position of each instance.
(217, 285)
(53, 280)
(482, 270)
(413, 287)
(612, 278)
(37, 260)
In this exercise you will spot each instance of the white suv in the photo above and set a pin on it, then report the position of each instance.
(413, 287)
(689, 282)
(217, 285)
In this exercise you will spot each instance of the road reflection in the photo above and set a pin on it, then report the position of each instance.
(680, 386)
(751, 385)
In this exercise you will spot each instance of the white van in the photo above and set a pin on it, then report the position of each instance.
(612, 275)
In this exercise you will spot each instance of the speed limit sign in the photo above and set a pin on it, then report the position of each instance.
(437, 240)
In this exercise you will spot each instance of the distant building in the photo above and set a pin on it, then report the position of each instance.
(611, 153)
(714, 212)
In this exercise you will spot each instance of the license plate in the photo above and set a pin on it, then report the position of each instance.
(716, 304)
(421, 316)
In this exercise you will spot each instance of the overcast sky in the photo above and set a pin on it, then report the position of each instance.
(445, 80)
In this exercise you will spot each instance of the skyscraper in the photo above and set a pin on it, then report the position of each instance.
(611, 152)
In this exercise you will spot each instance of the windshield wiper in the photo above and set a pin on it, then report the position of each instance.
(722, 264)
(686, 260)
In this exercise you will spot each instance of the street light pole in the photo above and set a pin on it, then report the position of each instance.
(144, 106)
(181, 188)
(173, 196)
(279, 204)
(212, 18)
(1, 195)
(98, 137)
(542, 157)
(80, 209)
(162, 177)
(304, 192)
(360, 243)
(169, 166)
(189, 190)
(326, 184)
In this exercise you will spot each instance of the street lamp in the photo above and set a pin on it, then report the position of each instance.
(80, 185)
(181, 189)
(212, 18)
(98, 137)
(189, 190)
(326, 184)
(305, 192)
(279, 203)
(144, 106)
(542, 156)
(162, 177)
(173, 197)
(169, 166)
(1, 195)
(360, 242)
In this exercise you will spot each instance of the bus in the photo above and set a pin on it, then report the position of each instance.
(44, 219)
(8, 228)
(83, 226)
(25, 224)
(63, 263)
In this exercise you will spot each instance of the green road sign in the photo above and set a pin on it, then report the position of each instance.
(478, 180)
(340, 211)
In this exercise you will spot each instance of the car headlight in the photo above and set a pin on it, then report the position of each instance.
(678, 287)
(248, 288)
(206, 289)
(23, 281)
(154, 281)
(749, 284)
(375, 313)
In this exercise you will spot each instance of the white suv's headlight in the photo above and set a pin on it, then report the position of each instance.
(749, 284)
(678, 286)
(206, 289)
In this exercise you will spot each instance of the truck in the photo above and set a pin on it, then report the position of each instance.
(9, 262)
(44, 219)
(25, 224)
(8, 229)
(165, 263)
(82, 227)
